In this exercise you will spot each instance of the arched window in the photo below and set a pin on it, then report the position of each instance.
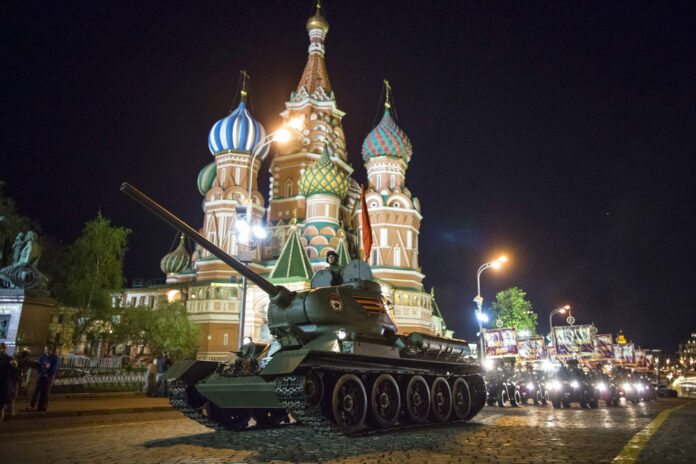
(288, 188)
(237, 175)
(397, 257)
(392, 181)
(379, 182)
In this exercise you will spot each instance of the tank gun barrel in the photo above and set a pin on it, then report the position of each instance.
(193, 234)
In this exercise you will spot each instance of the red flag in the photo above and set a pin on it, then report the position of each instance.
(365, 223)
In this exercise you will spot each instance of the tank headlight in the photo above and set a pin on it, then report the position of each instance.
(530, 388)
(601, 387)
(555, 385)
(488, 364)
(341, 334)
(626, 387)
(575, 384)
(638, 387)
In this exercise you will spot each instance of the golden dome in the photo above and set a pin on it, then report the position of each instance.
(318, 21)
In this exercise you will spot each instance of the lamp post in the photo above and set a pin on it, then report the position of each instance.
(561, 310)
(251, 232)
(480, 317)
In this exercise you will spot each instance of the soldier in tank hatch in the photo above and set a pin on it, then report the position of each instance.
(334, 267)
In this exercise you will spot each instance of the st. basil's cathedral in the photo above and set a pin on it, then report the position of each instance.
(313, 208)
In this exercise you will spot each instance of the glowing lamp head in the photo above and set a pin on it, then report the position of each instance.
(282, 135)
(258, 231)
(483, 317)
(496, 264)
(502, 259)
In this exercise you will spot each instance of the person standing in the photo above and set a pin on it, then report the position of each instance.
(8, 377)
(163, 363)
(22, 367)
(46, 367)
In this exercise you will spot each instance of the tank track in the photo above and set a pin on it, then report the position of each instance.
(290, 391)
(179, 400)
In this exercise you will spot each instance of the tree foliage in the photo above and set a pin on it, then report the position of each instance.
(166, 327)
(515, 310)
(92, 271)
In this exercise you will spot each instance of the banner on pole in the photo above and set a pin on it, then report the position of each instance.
(573, 339)
(641, 360)
(531, 349)
(629, 353)
(603, 346)
(618, 354)
(500, 342)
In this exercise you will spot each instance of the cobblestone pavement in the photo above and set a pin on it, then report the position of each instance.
(508, 435)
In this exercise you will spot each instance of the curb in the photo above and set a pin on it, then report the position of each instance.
(87, 412)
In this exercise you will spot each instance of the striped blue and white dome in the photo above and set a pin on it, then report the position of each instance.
(238, 131)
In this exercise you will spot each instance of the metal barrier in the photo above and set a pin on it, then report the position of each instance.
(83, 374)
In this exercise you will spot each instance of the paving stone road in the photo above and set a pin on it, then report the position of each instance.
(507, 435)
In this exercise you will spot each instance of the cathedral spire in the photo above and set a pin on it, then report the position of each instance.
(314, 74)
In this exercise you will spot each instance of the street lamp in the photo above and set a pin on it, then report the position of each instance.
(249, 232)
(561, 310)
(495, 264)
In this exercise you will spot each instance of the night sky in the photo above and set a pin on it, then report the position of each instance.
(560, 133)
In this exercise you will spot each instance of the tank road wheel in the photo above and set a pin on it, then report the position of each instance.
(441, 398)
(314, 388)
(385, 401)
(461, 399)
(270, 417)
(418, 399)
(545, 398)
(231, 419)
(349, 403)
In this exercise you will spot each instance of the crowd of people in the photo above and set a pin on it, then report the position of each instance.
(16, 371)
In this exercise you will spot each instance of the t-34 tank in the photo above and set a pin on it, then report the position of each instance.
(336, 362)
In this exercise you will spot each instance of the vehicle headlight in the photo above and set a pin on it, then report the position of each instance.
(555, 385)
(341, 334)
(575, 384)
(638, 387)
(488, 364)
(626, 387)
(601, 387)
(530, 388)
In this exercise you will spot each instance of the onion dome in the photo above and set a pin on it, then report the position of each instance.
(324, 177)
(387, 139)
(206, 178)
(318, 21)
(177, 260)
(238, 132)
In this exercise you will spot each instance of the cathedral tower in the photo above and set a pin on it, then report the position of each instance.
(313, 103)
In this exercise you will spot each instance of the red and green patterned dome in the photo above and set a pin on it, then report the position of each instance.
(387, 139)
(177, 260)
(324, 177)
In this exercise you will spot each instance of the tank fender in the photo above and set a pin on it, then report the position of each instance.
(190, 371)
(286, 361)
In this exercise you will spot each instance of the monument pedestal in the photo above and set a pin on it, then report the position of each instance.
(24, 319)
